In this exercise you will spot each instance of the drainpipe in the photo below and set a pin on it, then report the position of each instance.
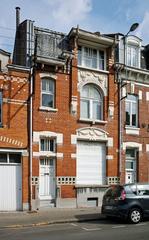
(31, 136)
(30, 31)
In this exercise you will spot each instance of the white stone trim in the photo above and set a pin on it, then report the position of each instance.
(38, 135)
(12, 141)
(48, 75)
(92, 120)
(74, 155)
(109, 157)
(44, 154)
(132, 87)
(147, 147)
(24, 152)
(147, 96)
(133, 145)
(124, 92)
(73, 139)
(59, 155)
(86, 76)
(110, 142)
(140, 95)
(142, 84)
(59, 138)
(47, 154)
(92, 133)
(48, 109)
(132, 131)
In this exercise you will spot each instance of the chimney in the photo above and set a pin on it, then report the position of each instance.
(17, 16)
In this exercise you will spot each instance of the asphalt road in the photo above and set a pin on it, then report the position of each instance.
(101, 230)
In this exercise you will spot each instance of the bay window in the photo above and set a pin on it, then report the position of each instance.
(133, 55)
(91, 58)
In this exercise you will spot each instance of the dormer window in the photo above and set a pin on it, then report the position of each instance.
(91, 58)
(133, 56)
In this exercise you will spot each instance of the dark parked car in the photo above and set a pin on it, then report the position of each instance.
(129, 202)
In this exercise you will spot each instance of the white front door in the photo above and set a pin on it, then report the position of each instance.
(47, 179)
(130, 177)
(130, 166)
(91, 162)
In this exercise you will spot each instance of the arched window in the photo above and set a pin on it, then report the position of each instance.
(48, 93)
(91, 103)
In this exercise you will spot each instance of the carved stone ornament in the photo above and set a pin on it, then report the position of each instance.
(92, 133)
(99, 79)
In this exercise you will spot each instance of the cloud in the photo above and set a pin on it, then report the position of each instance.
(70, 11)
(142, 31)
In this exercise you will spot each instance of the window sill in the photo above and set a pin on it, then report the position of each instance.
(92, 121)
(93, 69)
(132, 130)
(48, 109)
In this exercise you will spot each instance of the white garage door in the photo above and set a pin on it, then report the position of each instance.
(91, 163)
(10, 182)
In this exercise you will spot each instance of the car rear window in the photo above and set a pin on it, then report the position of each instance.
(131, 189)
(114, 191)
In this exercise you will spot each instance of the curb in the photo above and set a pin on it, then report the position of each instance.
(52, 222)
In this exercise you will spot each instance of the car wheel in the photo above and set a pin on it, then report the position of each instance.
(135, 215)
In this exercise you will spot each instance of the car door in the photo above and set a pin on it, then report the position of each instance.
(143, 194)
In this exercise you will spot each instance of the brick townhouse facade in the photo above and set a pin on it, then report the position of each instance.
(14, 162)
(133, 77)
(75, 114)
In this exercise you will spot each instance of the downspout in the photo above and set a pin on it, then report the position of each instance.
(30, 135)
(31, 110)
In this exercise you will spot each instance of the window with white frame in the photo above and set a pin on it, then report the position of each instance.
(1, 100)
(91, 58)
(91, 105)
(47, 144)
(48, 93)
(133, 55)
(132, 110)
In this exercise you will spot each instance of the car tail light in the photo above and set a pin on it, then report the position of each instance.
(123, 195)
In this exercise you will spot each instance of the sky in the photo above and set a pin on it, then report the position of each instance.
(105, 16)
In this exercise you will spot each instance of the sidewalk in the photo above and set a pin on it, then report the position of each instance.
(48, 216)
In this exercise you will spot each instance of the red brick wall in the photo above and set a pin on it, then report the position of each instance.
(142, 138)
(14, 131)
(63, 122)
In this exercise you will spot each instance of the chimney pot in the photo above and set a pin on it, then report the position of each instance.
(17, 16)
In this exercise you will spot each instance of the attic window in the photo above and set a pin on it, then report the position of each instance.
(91, 58)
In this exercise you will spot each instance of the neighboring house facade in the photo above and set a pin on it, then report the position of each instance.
(133, 77)
(75, 114)
(4, 59)
(14, 160)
